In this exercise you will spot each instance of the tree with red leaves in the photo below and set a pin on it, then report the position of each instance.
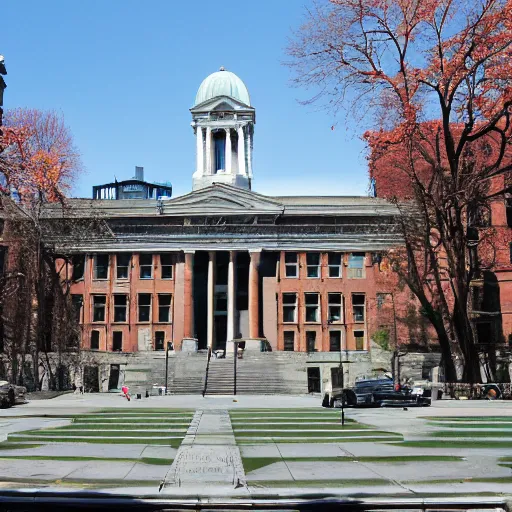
(38, 164)
(432, 77)
(38, 160)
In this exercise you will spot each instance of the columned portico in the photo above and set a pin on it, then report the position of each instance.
(188, 296)
(254, 293)
(231, 296)
(211, 297)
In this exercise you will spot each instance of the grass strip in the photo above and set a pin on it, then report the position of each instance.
(144, 460)
(454, 444)
(309, 440)
(174, 442)
(60, 432)
(142, 410)
(476, 433)
(119, 428)
(334, 426)
(320, 433)
(253, 463)
(356, 482)
(18, 446)
(469, 418)
(503, 426)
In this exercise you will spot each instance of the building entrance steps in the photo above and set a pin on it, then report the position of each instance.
(260, 373)
(208, 455)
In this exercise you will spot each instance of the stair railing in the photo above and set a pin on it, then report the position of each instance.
(207, 369)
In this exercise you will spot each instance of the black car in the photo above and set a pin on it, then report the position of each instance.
(380, 392)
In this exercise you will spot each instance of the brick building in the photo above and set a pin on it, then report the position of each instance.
(295, 274)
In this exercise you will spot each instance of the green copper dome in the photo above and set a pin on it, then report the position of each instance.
(222, 83)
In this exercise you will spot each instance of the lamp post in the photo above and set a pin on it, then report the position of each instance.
(167, 348)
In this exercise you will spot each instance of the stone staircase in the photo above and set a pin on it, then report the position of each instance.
(258, 373)
(147, 369)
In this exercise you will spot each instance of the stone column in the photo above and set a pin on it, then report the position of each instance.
(241, 151)
(228, 151)
(253, 294)
(188, 296)
(231, 296)
(208, 150)
(211, 297)
(249, 152)
(200, 151)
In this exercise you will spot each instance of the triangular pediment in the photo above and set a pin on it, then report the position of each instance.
(220, 199)
(227, 103)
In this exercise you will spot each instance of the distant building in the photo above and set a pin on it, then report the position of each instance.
(135, 188)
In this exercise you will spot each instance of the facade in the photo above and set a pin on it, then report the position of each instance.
(301, 274)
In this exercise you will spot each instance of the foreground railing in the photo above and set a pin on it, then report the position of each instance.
(205, 387)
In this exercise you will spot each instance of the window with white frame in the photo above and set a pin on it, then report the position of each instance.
(312, 303)
(144, 307)
(95, 340)
(334, 307)
(311, 341)
(289, 307)
(166, 266)
(334, 264)
(164, 307)
(145, 266)
(101, 262)
(313, 264)
(291, 264)
(123, 265)
(358, 306)
(356, 265)
(98, 308)
(120, 307)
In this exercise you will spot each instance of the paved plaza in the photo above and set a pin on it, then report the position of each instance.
(252, 446)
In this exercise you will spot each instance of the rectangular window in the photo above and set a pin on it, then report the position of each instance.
(508, 209)
(78, 262)
(145, 266)
(337, 377)
(120, 307)
(101, 266)
(117, 341)
(334, 305)
(311, 341)
(334, 341)
(291, 265)
(289, 307)
(359, 337)
(95, 340)
(3, 253)
(77, 300)
(159, 340)
(358, 307)
(381, 297)
(312, 301)
(313, 264)
(123, 265)
(356, 265)
(166, 266)
(144, 307)
(510, 251)
(164, 307)
(98, 307)
(334, 261)
(289, 341)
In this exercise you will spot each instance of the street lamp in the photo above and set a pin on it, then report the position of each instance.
(167, 348)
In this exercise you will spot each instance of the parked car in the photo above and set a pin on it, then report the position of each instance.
(10, 394)
(379, 392)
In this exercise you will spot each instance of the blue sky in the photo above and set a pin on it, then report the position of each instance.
(125, 72)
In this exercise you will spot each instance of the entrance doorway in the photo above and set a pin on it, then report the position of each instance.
(113, 381)
(314, 379)
(221, 332)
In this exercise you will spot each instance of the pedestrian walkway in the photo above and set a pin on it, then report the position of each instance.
(208, 456)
